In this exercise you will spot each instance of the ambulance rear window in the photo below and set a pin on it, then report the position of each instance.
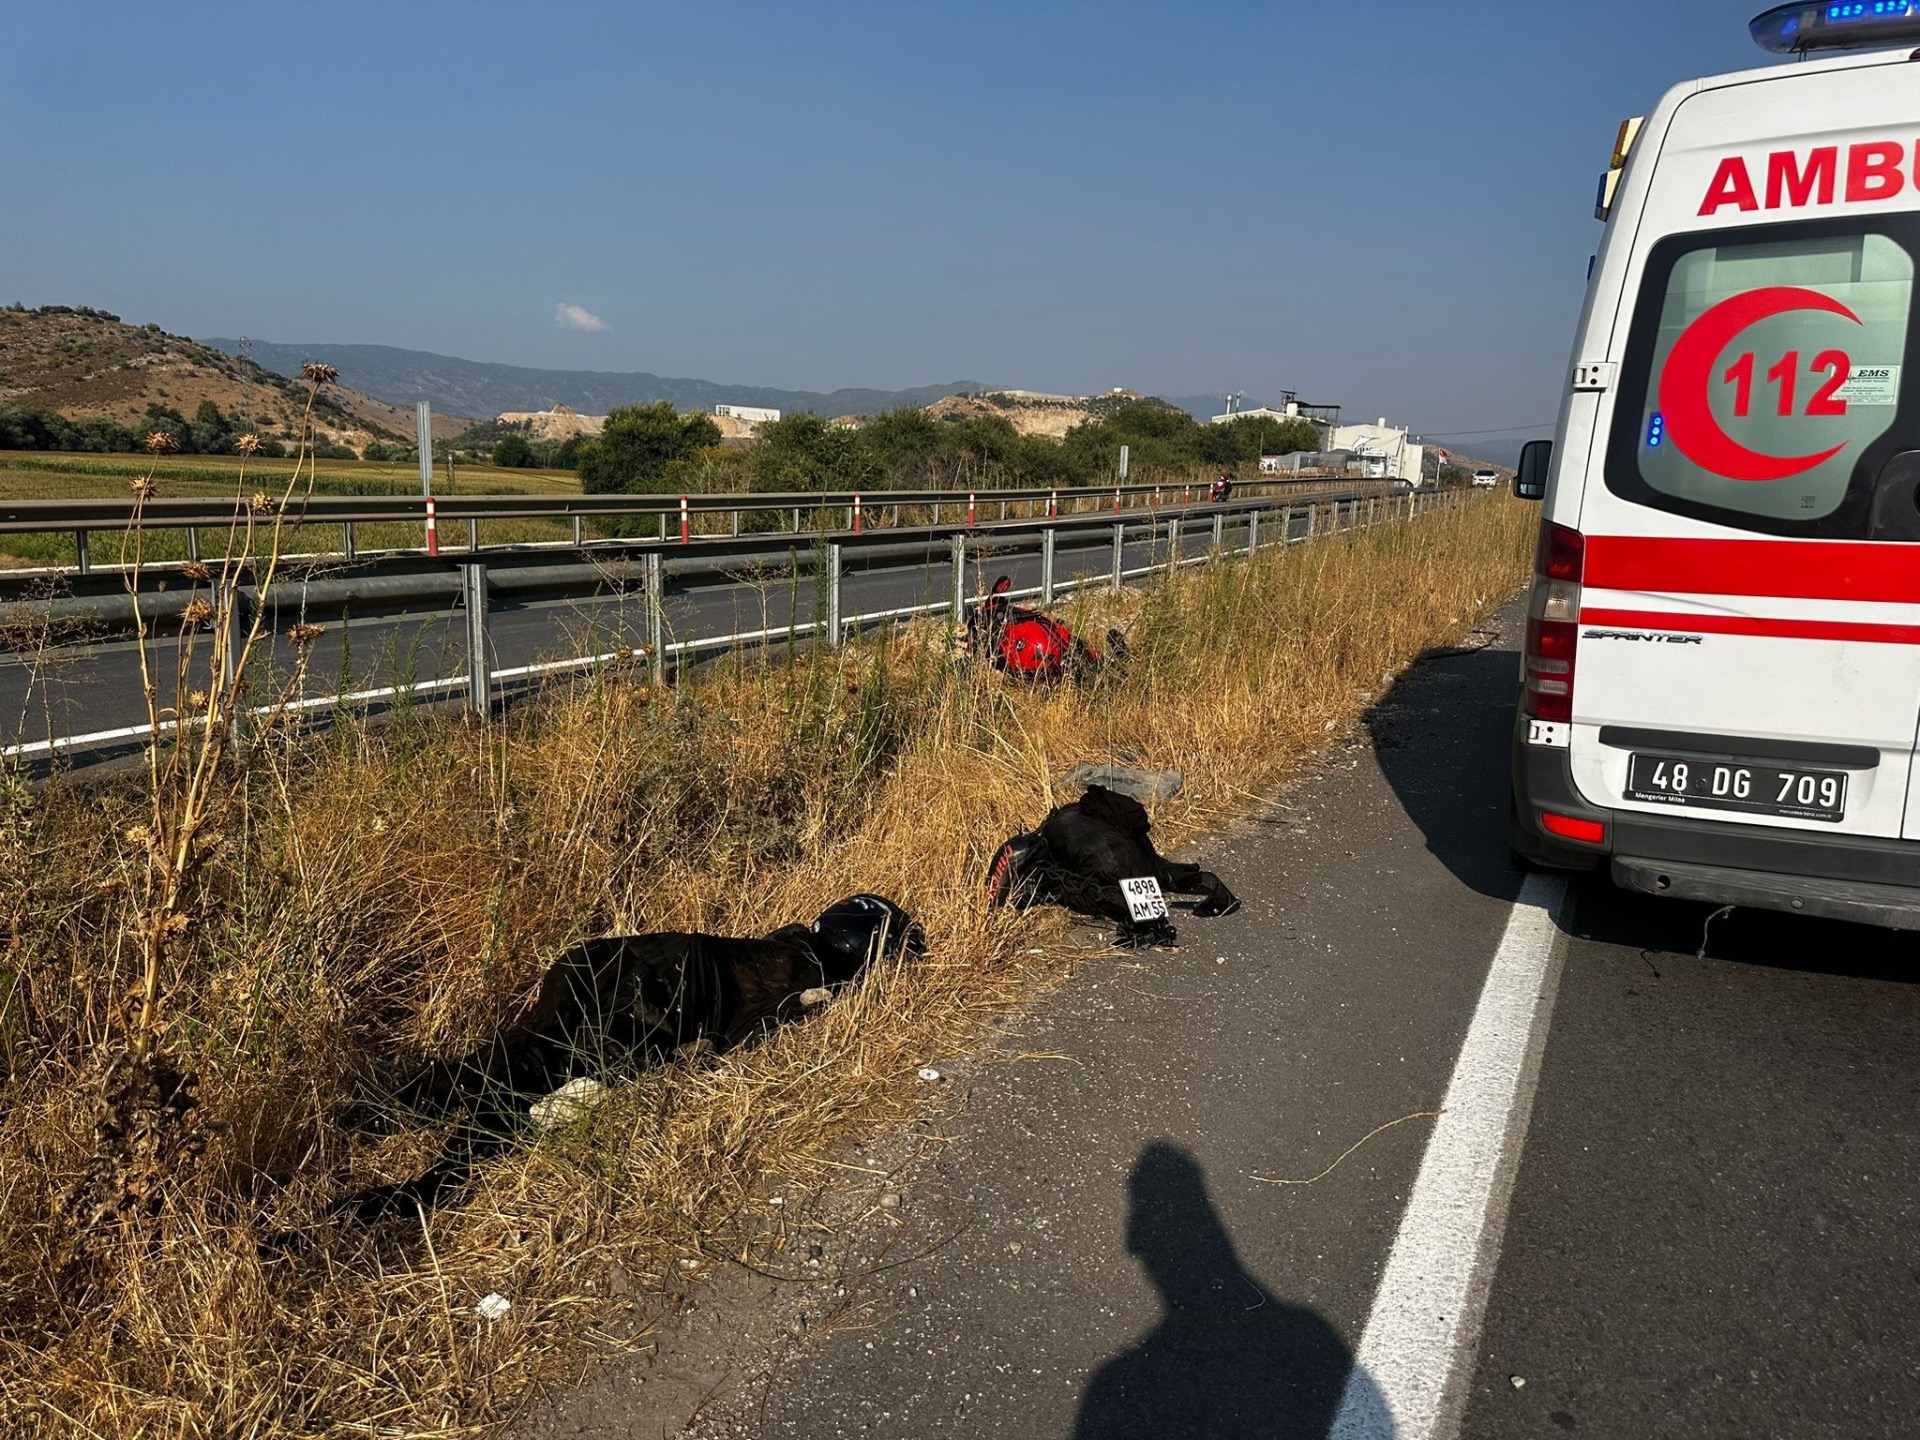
(1764, 376)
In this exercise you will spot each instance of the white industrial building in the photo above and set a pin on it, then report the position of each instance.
(1376, 452)
(1259, 412)
(748, 414)
(1382, 451)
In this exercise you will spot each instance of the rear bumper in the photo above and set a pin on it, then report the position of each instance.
(1895, 906)
(1843, 877)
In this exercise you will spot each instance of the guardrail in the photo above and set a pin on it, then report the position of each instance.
(863, 508)
(470, 583)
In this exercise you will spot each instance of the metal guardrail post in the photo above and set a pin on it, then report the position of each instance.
(1173, 546)
(193, 544)
(663, 527)
(833, 594)
(473, 590)
(1119, 554)
(346, 541)
(1310, 509)
(736, 523)
(576, 530)
(657, 616)
(1253, 532)
(1219, 530)
(1046, 565)
(233, 691)
(83, 562)
(473, 535)
(959, 546)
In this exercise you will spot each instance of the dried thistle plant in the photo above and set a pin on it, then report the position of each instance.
(145, 1133)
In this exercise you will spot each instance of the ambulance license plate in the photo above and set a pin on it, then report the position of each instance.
(1796, 793)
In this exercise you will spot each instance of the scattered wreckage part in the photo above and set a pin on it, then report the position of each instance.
(616, 1004)
(1030, 644)
(1142, 785)
(575, 1100)
(1085, 855)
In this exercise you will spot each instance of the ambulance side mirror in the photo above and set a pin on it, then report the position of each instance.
(1530, 480)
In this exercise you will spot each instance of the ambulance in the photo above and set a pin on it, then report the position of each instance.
(1721, 684)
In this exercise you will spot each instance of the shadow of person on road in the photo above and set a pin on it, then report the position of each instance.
(1229, 1360)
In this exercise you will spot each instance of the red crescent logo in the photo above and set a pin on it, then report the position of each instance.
(1687, 382)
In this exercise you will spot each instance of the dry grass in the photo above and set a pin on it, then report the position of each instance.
(379, 894)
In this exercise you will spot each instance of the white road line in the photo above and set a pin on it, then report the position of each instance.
(1409, 1378)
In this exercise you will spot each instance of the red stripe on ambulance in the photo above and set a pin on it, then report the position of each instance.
(1796, 179)
(1795, 569)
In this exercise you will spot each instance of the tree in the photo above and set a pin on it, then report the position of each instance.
(636, 446)
(170, 422)
(211, 432)
(1248, 439)
(514, 453)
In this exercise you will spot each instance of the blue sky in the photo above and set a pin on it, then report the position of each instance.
(1383, 205)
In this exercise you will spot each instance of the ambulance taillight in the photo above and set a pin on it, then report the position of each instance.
(1553, 622)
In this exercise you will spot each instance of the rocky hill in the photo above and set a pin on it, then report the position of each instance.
(562, 422)
(1032, 413)
(471, 387)
(87, 364)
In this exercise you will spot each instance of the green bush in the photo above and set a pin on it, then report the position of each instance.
(637, 445)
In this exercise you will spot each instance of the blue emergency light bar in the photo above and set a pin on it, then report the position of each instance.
(1837, 25)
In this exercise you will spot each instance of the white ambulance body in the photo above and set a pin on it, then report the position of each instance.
(1722, 684)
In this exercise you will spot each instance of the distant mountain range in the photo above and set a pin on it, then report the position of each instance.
(479, 390)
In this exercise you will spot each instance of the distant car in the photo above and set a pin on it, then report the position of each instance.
(1486, 479)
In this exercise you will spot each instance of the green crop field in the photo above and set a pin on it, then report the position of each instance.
(37, 475)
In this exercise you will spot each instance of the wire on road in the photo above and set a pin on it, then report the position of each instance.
(1377, 1130)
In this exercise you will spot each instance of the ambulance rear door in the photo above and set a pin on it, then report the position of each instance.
(1749, 642)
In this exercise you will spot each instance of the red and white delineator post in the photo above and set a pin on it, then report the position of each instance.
(686, 526)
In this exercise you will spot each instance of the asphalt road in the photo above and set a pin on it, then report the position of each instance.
(1711, 1225)
(97, 687)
